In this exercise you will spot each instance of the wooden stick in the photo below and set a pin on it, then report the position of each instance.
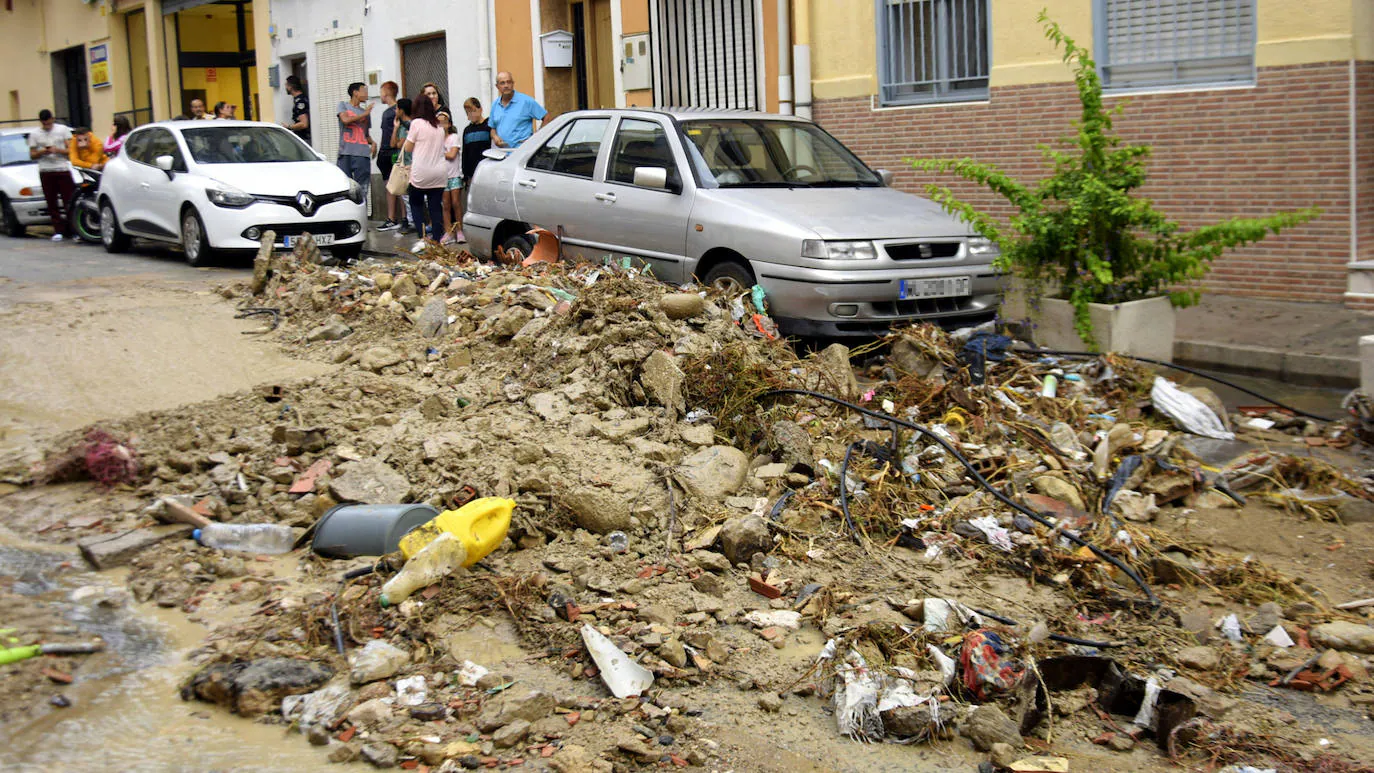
(176, 512)
(1369, 602)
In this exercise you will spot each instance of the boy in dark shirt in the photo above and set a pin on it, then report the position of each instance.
(476, 140)
(300, 109)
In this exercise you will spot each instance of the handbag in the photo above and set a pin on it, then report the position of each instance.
(399, 181)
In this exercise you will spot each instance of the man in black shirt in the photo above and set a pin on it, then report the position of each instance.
(300, 109)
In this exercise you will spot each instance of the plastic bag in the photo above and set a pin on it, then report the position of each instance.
(1188, 412)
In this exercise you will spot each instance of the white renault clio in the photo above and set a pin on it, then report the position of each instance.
(217, 186)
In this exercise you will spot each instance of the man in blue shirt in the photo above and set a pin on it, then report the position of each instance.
(515, 116)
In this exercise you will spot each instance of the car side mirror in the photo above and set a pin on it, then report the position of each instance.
(651, 177)
(495, 154)
(885, 176)
(165, 163)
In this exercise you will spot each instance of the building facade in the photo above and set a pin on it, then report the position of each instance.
(1251, 106)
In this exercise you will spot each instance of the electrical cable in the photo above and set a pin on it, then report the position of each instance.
(1003, 498)
(844, 494)
(1186, 369)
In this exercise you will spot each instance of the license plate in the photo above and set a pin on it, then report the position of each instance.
(320, 239)
(943, 287)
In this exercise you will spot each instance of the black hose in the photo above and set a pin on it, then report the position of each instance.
(1054, 636)
(1186, 369)
(1003, 498)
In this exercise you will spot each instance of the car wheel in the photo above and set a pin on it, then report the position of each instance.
(347, 251)
(730, 278)
(9, 222)
(87, 221)
(114, 239)
(521, 244)
(194, 242)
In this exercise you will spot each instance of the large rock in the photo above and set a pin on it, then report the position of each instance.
(526, 705)
(1209, 398)
(682, 305)
(987, 725)
(377, 357)
(791, 444)
(598, 510)
(1060, 489)
(370, 481)
(741, 538)
(909, 359)
(511, 734)
(662, 380)
(403, 286)
(433, 320)
(251, 688)
(714, 473)
(511, 321)
(331, 331)
(833, 373)
(1344, 636)
(381, 755)
(377, 660)
(1200, 658)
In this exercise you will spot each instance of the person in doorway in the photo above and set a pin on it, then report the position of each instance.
(300, 109)
(386, 156)
(476, 141)
(85, 150)
(453, 213)
(428, 170)
(431, 90)
(515, 116)
(225, 111)
(118, 131)
(398, 141)
(50, 147)
(198, 110)
(355, 141)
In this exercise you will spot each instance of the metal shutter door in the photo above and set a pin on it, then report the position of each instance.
(338, 62)
(425, 61)
(706, 53)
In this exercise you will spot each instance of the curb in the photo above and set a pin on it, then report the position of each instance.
(1290, 367)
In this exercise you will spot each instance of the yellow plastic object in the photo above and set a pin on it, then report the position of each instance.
(480, 525)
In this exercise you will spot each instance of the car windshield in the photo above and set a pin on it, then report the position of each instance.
(245, 145)
(741, 153)
(14, 150)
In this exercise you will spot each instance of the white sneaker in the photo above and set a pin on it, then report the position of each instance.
(57, 237)
(419, 247)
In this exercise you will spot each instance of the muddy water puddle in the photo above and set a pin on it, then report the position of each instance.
(126, 713)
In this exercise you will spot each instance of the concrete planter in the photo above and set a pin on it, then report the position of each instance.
(1143, 328)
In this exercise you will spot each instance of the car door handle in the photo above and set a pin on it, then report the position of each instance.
(610, 197)
(527, 183)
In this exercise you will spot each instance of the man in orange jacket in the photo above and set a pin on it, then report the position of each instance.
(86, 151)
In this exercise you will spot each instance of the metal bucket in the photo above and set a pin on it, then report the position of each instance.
(367, 530)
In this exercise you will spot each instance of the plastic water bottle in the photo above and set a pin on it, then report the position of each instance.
(437, 560)
(267, 538)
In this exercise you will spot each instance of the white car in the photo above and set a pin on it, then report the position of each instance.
(217, 186)
(21, 193)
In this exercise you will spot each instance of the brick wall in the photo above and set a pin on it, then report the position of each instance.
(1364, 143)
(1227, 153)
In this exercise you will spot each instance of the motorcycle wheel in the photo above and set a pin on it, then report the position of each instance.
(87, 220)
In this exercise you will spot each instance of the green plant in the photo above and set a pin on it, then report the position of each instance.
(1082, 230)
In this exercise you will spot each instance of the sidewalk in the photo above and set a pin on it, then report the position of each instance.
(1314, 344)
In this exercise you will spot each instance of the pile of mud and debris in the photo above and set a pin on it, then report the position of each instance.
(958, 542)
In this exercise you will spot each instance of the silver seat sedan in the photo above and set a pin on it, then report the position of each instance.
(734, 199)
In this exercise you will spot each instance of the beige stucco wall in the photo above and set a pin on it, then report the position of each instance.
(844, 60)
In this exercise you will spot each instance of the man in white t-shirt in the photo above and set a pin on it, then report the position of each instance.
(49, 147)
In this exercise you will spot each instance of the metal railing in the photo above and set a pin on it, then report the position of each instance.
(932, 50)
(137, 116)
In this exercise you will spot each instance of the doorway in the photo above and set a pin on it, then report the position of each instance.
(70, 99)
(425, 60)
(594, 54)
(215, 55)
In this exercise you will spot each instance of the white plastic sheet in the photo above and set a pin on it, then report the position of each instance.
(1188, 412)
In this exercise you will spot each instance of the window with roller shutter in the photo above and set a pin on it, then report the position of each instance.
(1151, 44)
(338, 62)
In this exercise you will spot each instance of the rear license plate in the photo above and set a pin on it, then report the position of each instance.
(943, 287)
(320, 239)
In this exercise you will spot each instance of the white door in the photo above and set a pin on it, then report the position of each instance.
(338, 61)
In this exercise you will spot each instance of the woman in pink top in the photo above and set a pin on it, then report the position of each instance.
(428, 168)
(118, 132)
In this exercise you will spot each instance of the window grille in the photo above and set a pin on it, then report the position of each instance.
(932, 50)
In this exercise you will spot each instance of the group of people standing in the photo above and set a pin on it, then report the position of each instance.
(420, 135)
(56, 149)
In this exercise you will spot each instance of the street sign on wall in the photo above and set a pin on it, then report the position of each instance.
(100, 66)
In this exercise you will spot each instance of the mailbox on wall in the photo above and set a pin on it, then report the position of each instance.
(557, 48)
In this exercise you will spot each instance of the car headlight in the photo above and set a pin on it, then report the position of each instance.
(228, 196)
(823, 250)
(355, 192)
(979, 246)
